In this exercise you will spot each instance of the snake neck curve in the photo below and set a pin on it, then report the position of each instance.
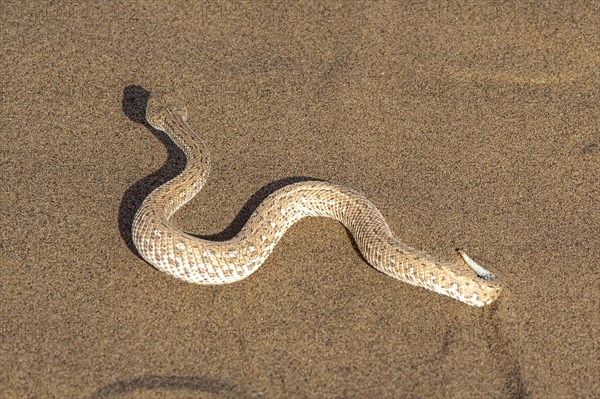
(182, 188)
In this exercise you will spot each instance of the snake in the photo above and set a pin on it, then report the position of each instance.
(200, 261)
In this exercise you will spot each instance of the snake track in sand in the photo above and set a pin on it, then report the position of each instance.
(218, 262)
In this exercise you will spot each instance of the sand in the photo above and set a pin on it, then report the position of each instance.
(473, 126)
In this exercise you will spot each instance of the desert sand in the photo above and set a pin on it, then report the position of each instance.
(473, 126)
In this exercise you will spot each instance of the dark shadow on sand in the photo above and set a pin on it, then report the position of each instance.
(151, 383)
(134, 106)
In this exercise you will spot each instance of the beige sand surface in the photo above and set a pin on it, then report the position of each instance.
(475, 126)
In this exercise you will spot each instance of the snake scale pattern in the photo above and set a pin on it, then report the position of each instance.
(219, 262)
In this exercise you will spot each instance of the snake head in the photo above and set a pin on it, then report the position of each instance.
(160, 105)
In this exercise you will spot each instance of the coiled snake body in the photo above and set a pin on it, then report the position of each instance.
(218, 262)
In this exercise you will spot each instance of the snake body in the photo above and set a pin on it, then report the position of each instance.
(201, 261)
